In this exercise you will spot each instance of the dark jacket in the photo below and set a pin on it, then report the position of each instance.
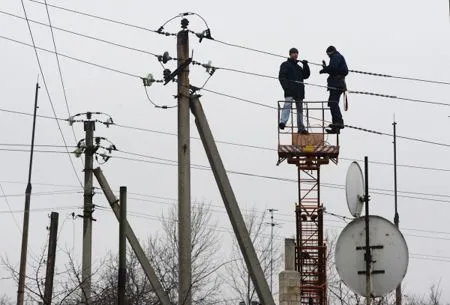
(290, 72)
(338, 70)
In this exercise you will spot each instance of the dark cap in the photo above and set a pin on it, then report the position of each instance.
(331, 49)
(293, 50)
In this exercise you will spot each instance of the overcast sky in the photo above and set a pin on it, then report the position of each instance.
(403, 38)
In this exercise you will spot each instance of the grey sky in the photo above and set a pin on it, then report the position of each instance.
(407, 38)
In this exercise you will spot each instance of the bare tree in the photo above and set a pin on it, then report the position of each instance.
(162, 252)
(237, 276)
(4, 300)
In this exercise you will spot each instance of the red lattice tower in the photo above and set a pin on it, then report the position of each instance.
(309, 152)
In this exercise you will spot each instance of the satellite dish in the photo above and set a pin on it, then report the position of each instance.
(354, 189)
(389, 256)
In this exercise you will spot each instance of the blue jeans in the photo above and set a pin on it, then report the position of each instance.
(287, 111)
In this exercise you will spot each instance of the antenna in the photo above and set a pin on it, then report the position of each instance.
(354, 189)
(272, 224)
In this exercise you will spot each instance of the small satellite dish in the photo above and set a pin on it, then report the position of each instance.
(389, 256)
(354, 189)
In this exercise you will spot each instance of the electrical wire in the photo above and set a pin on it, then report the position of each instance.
(240, 46)
(56, 208)
(349, 126)
(105, 19)
(328, 87)
(48, 94)
(9, 208)
(248, 145)
(156, 105)
(82, 35)
(37, 145)
(380, 191)
(240, 71)
(220, 229)
(60, 71)
(320, 64)
(72, 58)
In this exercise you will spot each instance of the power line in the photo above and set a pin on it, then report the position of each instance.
(239, 46)
(319, 64)
(82, 35)
(219, 228)
(48, 92)
(250, 146)
(73, 58)
(349, 126)
(222, 68)
(322, 86)
(106, 19)
(238, 98)
(174, 200)
(59, 69)
(380, 191)
(246, 145)
(56, 208)
(10, 210)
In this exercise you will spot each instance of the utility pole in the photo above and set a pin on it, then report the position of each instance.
(272, 224)
(26, 212)
(398, 290)
(368, 255)
(132, 239)
(89, 127)
(51, 258)
(184, 170)
(122, 246)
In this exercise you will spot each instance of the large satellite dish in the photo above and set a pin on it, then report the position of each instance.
(389, 256)
(354, 189)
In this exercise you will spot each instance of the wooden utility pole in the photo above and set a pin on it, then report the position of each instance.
(122, 246)
(89, 127)
(184, 169)
(51, 258)
(26, 212)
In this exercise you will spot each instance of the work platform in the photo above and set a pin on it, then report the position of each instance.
(308, 151)
(311, 150)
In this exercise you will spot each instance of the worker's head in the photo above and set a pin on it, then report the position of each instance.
(331, 50)
(293, 53)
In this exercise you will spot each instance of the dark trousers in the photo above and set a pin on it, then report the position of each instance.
(333, 103)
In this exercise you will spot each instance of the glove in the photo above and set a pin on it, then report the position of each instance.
(324, 64)
(305, 62)
(322, 71)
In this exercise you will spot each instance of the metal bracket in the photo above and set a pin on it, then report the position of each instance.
(177, 70)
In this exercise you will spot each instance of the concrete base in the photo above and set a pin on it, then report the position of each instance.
(289, 283)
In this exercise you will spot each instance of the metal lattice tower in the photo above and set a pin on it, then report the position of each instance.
(308, 153)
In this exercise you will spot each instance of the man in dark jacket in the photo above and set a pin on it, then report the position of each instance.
(337, 70)
(291, 78)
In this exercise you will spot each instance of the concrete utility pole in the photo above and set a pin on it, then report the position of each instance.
(184, 170)
(51, 258)
(89, 127)
(231, 205)
(132, 239)
(26, 212)
(122, 246)
(398, 290)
